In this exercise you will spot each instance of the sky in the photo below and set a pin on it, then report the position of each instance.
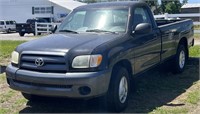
(193, 1)
(189, 1)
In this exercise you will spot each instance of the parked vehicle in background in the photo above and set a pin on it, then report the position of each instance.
(7, 26)
(28, 27)
(97, 51)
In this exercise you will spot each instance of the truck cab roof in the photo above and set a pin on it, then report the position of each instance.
(112, 4)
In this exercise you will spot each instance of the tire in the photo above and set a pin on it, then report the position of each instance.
(180, 59)
(30, 97)
(21, 33)
(8, 31)
(114, 101)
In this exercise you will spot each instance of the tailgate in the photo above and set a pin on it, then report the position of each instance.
(24, 27)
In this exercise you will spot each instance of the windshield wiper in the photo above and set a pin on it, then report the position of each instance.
(99, 30)
(68, 31)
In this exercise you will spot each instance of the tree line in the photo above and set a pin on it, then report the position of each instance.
(166, 6)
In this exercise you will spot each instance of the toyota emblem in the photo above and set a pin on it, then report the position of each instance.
(39, 62)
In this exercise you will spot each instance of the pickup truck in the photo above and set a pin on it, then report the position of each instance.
(97, 51)
(28, 27)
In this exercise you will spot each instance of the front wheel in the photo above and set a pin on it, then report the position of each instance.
(180, 59)
(21, 33)
(119, 90)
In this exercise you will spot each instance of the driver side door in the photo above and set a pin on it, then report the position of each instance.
(147, 46)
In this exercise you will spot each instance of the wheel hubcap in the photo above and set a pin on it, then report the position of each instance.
(123, 89)
(182, 59)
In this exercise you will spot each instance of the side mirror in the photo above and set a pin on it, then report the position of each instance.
(54, 29)
(142, 28)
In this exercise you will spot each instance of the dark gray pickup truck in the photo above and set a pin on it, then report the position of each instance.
(97, 50)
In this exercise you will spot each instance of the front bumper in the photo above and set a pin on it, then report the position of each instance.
(2, 30)
(59, 84)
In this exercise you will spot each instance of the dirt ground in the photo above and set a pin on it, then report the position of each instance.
(197, 42)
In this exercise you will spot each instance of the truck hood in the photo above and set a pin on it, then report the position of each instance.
(67, 42)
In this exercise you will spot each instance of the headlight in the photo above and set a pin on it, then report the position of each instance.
(15, 57)
(87, 61)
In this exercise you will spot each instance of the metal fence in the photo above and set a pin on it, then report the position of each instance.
(44, 27)
(197, 31)
(166, 15)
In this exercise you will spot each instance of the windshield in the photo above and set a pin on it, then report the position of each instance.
(101, 20)
(1, 22)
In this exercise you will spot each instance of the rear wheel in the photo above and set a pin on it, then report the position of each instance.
(21, 33)
(180, 59)
(119, 90)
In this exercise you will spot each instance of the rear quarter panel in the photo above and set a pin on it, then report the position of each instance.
(172, 34)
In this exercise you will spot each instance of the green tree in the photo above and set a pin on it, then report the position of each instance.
(173, 7)
(184, 2)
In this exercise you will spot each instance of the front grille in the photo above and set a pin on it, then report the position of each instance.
(52, 63)
(43, 85)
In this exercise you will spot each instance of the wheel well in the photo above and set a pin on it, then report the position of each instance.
(126, 64)
(184, 42)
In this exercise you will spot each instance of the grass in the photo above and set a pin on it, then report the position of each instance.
(194, 51)
(197, 27)
(193, 97)
(170, 111)
(4, 110)
(6, 48)
(189, 101)
(7, 96)
(2, 79)
(10, 100)
(197, 36)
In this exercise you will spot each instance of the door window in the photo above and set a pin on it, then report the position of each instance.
(11, 22)
(141, 16)
(7, 23)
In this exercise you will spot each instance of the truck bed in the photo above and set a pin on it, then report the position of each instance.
(171, 32)
(166, 21)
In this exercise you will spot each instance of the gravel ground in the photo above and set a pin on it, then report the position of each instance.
(15, 36)
(197, 42)
(197, 110)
